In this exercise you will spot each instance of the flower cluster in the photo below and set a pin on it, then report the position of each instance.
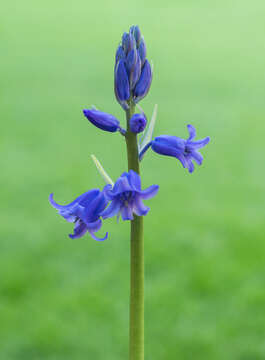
(124, 198)
(132, 73)
(132, 80)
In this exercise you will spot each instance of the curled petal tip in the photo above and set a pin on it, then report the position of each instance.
(97, 238)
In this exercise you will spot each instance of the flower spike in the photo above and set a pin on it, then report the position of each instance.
(133, 73)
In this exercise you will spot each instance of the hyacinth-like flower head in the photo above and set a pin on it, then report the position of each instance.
(133, 73)
(127, 197)
(184, 150)
(84, 212)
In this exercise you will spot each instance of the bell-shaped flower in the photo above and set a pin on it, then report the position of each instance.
(127, 197)
(184, 150)
(102, 120)
(84, 211)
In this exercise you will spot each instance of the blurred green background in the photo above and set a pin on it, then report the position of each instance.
(204, 236)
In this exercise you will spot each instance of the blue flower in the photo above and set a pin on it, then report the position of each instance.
(138, 123)
(184, 150)
(102, 120)
(84, 212)
(133, 74)
(126, 197)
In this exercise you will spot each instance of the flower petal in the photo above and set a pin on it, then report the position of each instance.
(58, 207)
(96, 206)
(97, 238)
(192, 145)
(112, 210)
(135, 180)
(89, 197)
(79, 230)
(183, 160)
(69, 215)
(197, 157)
(139, 208)
(192, 132)
(126, 213)
(121, 185)
(150, 192)
(190, 164)
(94, 226)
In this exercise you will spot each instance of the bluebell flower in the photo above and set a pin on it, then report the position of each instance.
(127, 197)
(84, 211)
(184, 150)
(133, 74)
(138, 123)
(102, 120)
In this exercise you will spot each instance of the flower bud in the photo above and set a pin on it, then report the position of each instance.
(135, 31)
(138, 123)
(125, 42)
(143, 85)
(142, 51)
(102, 120)
(128, 42)
(136, 72)
(133, 66)
(121, 86)
(119, 54)
(131, 60)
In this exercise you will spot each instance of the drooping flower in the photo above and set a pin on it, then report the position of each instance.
(133, 74)
(102, 120)
(84, 212)
(127, 197)
(138, 123)
(184, 150)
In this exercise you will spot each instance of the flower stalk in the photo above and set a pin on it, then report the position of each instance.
(136, 331)
(124, 197)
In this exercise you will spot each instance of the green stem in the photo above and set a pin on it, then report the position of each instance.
(137, 257)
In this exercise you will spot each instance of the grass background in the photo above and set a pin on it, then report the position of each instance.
(205, 294)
